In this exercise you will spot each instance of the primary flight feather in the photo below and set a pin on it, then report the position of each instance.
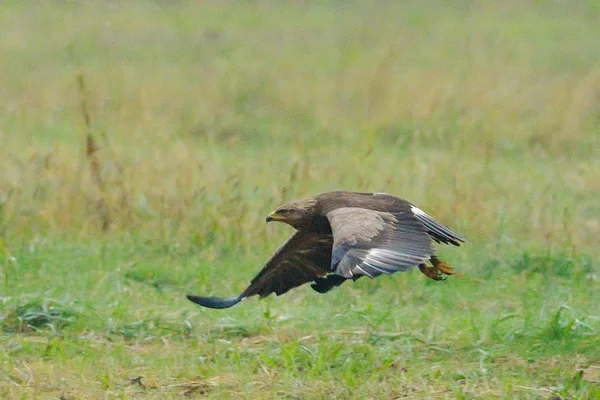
(346, 235)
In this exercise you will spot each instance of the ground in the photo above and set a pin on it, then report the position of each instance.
(144, 143)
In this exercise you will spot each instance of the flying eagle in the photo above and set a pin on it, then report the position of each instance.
(346, 235)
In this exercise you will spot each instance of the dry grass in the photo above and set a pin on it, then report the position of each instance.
(472, 106)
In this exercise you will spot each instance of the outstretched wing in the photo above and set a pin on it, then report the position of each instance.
(304, 257)
(438, 232)
(371, 243)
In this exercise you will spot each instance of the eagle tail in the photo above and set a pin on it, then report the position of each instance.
(215, 302)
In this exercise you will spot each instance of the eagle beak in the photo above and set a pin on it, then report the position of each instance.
(271, 217)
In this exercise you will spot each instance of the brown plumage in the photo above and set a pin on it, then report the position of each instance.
(346, 235)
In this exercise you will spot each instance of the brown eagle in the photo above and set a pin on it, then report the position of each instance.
(346, 235)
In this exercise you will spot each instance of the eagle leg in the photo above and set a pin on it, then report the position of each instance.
(445, 268)
(437, 269)
(324, 285)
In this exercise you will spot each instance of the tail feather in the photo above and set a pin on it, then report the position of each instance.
(215, 302)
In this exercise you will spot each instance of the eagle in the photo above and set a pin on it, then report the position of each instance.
(344, 235)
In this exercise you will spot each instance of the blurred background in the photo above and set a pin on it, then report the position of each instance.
(208, 114)
(142, 144)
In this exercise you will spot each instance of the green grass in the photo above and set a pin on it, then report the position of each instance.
(208, 115)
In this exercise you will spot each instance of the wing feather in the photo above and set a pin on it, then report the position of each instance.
(371, 243)
(438, 231)
(304, 257)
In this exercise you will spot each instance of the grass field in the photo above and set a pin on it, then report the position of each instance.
(207, 115)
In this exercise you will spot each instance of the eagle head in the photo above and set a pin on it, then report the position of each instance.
(296, 213)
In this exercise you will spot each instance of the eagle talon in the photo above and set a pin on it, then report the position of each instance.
(445, 268)
(437, 270)
(442, 266)
(431, 272)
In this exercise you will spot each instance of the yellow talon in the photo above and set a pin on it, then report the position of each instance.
(438, 269)
(431, 272)
(445, 268)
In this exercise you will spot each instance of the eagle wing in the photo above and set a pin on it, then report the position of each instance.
(371, 243)
(303, 258)
(438, 231)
